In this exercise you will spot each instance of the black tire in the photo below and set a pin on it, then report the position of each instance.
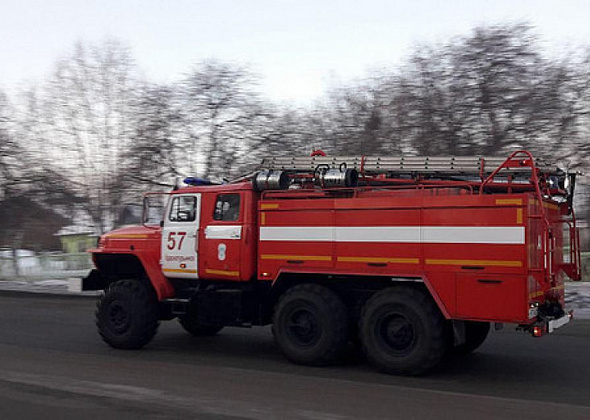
(310, 325)
(192, 326)
(127, 315)
(475, 334)
(402, 331)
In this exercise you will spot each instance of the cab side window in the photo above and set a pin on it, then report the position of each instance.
(183, 209)
(227, 207)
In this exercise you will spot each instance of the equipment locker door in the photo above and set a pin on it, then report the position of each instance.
(487, 296)
(180, 236)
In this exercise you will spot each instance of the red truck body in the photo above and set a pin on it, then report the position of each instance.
(480, 257)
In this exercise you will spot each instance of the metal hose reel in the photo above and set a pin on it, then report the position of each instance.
(271, 180)
(328, 177)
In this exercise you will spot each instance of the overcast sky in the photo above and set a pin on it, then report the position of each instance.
(297, 47)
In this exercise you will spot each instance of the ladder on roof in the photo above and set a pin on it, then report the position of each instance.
(435, 166)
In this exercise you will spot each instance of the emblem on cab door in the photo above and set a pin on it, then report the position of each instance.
(221, 252)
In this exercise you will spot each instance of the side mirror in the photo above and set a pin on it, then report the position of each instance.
(145, 210)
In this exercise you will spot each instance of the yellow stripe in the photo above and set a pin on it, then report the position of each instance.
(127, 236)
(267, 206)
(263, 218)
(296, 257)
(508, 201)
(550, 206)
(223, 272)
(380, 260)
(547, 205)
(541, 293)
(519, 216)
(494, 263)
(178, 270)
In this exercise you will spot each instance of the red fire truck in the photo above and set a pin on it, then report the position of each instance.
(408, 257)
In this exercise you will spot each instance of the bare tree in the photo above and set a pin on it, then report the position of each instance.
(95, 135)
(86, 118)
(27, 191)
(154, 137)
(8, 148)
(482, 94)
(224, 119)
(292, 130)
(356, 117)
(14, 170)
(577, 149)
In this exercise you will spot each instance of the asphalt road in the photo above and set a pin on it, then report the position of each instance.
(53, 365)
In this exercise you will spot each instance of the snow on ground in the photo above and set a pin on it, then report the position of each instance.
(577, 297)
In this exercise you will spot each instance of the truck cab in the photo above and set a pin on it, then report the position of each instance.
(209, 233)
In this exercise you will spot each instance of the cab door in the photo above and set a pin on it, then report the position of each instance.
(180, 235)
(223, 237)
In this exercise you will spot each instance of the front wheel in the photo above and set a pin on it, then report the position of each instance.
(310, 325)
(127, 315)
(402, 331)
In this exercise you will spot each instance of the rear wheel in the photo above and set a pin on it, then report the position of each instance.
(127, 314)
(402, 331)
(310, 325)
(475, 334)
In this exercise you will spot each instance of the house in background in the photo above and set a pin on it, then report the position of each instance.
(25, 224)
(75, 239)
(81, 236)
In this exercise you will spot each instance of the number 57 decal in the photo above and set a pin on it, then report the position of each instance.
(172, 240)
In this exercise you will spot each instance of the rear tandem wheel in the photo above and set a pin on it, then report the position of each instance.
(402, 331)
(475, 334)
(310, 325)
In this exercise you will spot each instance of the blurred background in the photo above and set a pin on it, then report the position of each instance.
(101, 101)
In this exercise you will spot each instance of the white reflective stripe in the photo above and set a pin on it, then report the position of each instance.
(223, 232)
(394, 234)
(378, 234)
(473, 234)
(292, 233)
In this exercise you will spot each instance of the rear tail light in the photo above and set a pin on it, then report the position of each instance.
(539, 330)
